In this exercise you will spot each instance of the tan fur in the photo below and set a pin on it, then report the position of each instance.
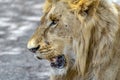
(88, 29)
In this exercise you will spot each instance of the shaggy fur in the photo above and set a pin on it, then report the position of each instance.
(87, 32)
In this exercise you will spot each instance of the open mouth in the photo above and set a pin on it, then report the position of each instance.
(55, 62)
(58, 62)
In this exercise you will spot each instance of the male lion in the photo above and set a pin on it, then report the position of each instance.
(80, 38)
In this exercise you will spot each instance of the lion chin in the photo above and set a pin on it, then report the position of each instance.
(80, 39)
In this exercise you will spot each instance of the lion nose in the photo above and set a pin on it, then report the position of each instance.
(34, 49)
(33, 45)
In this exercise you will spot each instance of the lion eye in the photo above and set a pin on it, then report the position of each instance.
(53, 23)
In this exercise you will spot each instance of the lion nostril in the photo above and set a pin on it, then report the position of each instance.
(34, 49)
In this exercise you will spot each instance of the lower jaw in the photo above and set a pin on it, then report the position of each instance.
(57, 67)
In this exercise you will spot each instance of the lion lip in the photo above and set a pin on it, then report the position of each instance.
(58, 62)
(39, 58)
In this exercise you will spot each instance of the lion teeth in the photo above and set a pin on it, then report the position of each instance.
(53, 60)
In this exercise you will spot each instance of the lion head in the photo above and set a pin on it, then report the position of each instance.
(67, 35)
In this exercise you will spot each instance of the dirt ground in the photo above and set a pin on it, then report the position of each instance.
(18, 20)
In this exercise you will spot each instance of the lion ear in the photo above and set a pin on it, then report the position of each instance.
(87, 7)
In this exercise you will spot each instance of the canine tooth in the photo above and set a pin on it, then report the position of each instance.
(53, 59)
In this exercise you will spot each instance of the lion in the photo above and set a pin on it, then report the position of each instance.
(80, 39)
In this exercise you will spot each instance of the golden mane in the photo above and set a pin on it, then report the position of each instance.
(76, 6)
(79, 7)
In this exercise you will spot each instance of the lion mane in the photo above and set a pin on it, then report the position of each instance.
(96, 43)
(100, 44)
